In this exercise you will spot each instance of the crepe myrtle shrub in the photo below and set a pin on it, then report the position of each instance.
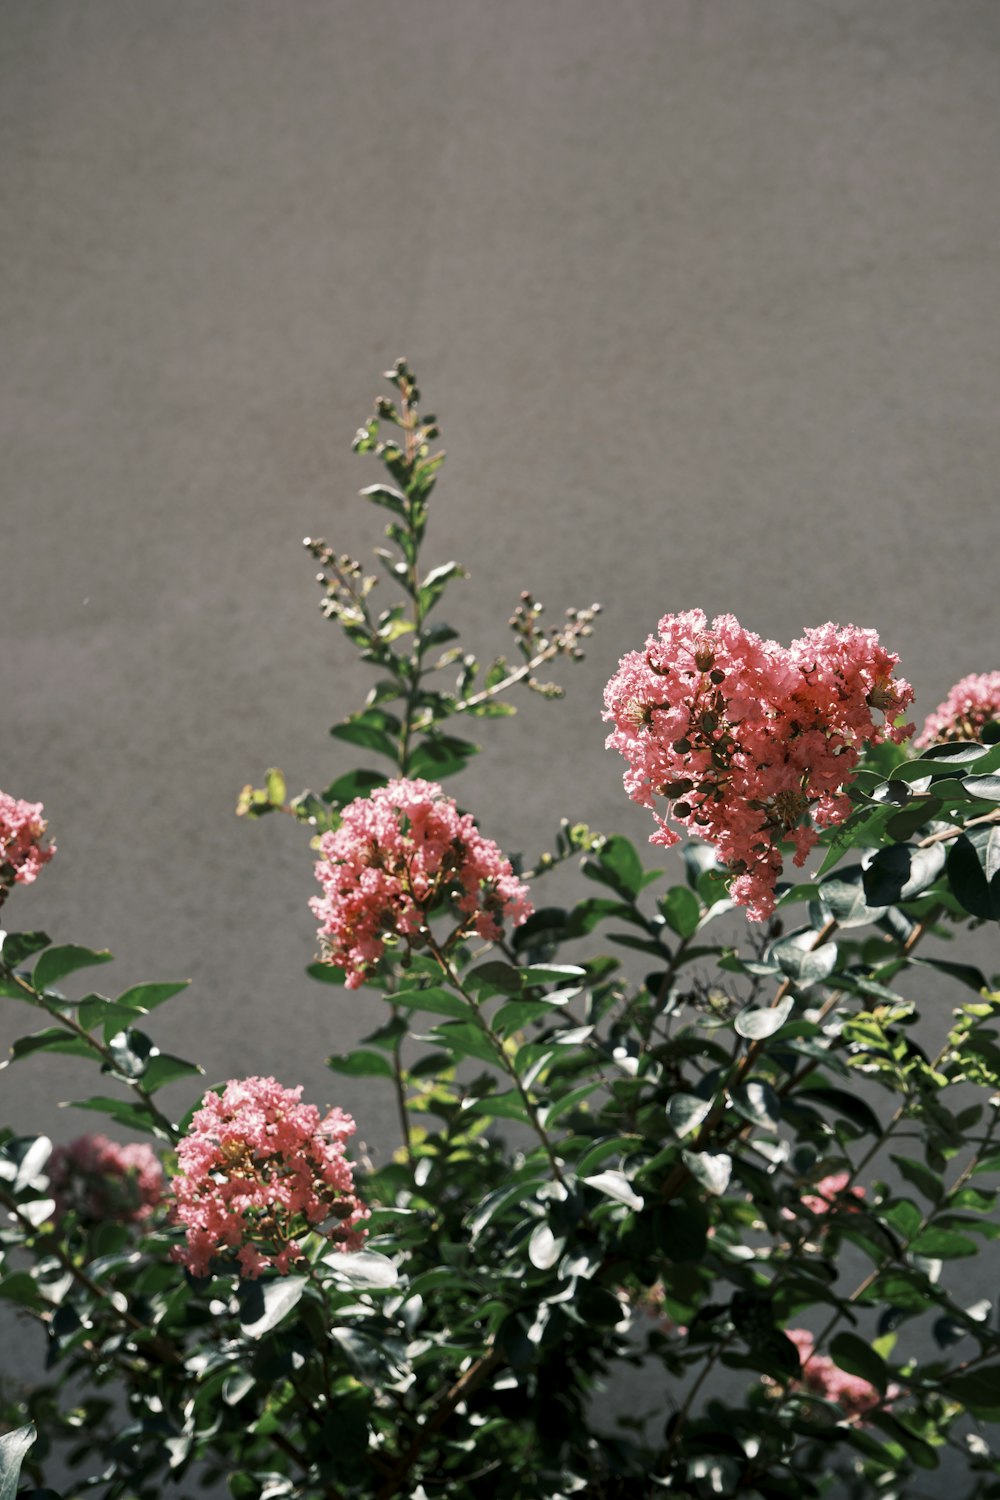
(689, 1188)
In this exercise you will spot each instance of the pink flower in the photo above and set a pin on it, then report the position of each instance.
(397, 855)
(101, 1181)
(750, 743)
(22, 829)
(829, 1194)
(258, 1169)
(970, 705)
(823, 1378)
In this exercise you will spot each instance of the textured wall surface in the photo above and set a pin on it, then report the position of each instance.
(707, 298)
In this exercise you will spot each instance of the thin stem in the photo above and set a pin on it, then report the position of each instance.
(399, 1082)
(496, 1043)
(955, 829)
(469, 1381)
(164, 1350)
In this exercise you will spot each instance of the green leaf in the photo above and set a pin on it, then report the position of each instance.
(616, 1185)
(386, 496)
(978, 1390)
(146, 997)
(361, 1064)
(56, 963)
(263, 1304)
(466, 1038)
(862, 830)
(967, 974)
(514, 1015)
(326, 973)
(440, 755)
(851, 1106)
(760, 1021)
(901, 872)
(17, 947)
(857, 1357)
(843, 895)
(927, 1182)
(433, 585)
(617, 865)
(51, 1039)
(551, 973)
(13, 1447)
(913, 817)
(987, 787)
(372, 729)
(22, 1288)
(686, 1112)
(437, 1001)
(362, 1268)
(133, 1116)
(495, 1202)
(799, 957)
(942, 1244)
(494, 978)
(568, 1101)
(507, 1106)
(355, 784)
(164, 1067)
(974, 871)
(681, 910)
(757, 1102)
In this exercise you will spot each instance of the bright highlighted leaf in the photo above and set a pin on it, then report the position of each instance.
(760, 1021)
(713, 1171)
(263, 1304)
(13, 1447)
(616, 1185)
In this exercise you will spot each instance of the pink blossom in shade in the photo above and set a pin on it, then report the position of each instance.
(820, 1376)
(397, 854)
(22, 828)
(750, 744)
(258, 1170)
(970, 705)
(101, 1181)
(832, 1193)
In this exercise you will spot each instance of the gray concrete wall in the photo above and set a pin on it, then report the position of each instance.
(706, 295)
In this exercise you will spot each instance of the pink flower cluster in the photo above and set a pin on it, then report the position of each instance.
(395, 856)
(101, 1181)
(22, 829)
(258, 1169)
(749, 742)
(823, 1378)
(832, 1193)
(970, 705)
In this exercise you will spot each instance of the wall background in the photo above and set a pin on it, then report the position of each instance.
(705, 294)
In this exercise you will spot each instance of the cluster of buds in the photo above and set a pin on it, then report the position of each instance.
(538, 645)
(970, 705)
(749, 742)
(22, 853)
(397, 855)
(344, 582)
(258, 1170)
